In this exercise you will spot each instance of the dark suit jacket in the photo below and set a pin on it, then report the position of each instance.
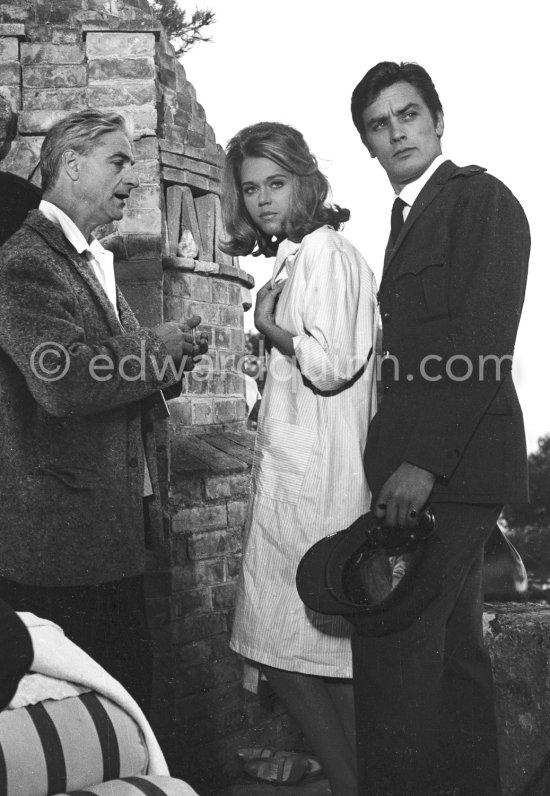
(17, 197)
(451, 294)
(71, 453)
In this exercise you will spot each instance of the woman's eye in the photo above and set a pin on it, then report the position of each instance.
(249, 190)
(277, 184)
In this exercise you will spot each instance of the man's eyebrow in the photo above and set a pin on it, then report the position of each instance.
(384, 117)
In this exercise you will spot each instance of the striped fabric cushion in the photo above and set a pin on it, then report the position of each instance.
(58, 746)
(138, 786)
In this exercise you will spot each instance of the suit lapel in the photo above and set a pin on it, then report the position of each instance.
(57, 240)
(425, 197)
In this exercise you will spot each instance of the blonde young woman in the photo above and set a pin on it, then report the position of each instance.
(318, 312)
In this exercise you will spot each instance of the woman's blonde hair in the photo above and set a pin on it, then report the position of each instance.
(285, 146)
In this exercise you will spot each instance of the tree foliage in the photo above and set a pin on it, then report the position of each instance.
(182, 31)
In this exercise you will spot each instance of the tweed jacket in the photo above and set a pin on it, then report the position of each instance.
(450, 301)
(71, 380)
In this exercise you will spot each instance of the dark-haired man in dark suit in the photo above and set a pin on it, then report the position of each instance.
(449, 432)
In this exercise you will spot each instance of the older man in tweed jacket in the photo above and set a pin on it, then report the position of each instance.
(74, 367)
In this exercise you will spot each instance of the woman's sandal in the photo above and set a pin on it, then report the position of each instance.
(282, 768)
(255, 752)
(279, 770)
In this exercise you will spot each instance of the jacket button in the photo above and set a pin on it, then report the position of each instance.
(132, 462)
(387, 317)
(387, 388)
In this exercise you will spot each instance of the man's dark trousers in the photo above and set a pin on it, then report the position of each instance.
(424, 695)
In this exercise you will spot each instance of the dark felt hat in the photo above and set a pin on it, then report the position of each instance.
(368, 573)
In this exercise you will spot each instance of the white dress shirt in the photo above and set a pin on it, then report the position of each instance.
(101, 260)
(410, 192)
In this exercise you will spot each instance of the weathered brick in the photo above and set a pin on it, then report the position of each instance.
(198, 573)
(146, 148)
(64, 35)
(179, 161)
(120, 95)
(193, 628)
(198, 652)
(218, 383)
(241, 411)
(222, 338)
(198, 383)
(220, 291)
(9, 49)
(237, 340)
(202, 411)
(201, 678)
(54, 76)
(199, 517)
(140, 221)
(23, 156)
(173, 308)
(213, 544)
(236, 513)
(147, 171)
(231, 316)
(32, 122)
(13, 95)
(145, 197)
(123, 45)
(195, 139)
(224, 486)
(227, 360)
(192, 602)
(208, 312)
(180, 409)
(143, 117)
(223, 597)
(45, 53)
(186, 492)
(232, 567)
(107, 69)
(224, 410)
(14, 28)
(159, 611)
(235, 384)
(66, 99)
(140, 247)
(191, 286)
(10, 73)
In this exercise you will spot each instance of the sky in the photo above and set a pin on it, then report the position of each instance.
(297, 61)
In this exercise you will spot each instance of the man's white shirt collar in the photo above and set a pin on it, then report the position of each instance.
(101, 261)
(410, 192)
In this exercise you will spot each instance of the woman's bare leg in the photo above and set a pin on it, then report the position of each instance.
(323, 710)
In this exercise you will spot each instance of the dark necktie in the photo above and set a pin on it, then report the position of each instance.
(397, 220)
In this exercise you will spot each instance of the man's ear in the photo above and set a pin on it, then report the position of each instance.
(366, 144)
(70, 161)
(439, 124)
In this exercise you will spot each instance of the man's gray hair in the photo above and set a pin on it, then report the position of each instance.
(79, 132)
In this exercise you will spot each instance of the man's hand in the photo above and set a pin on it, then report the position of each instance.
(264, 310)
(404, 495)
(180, 342)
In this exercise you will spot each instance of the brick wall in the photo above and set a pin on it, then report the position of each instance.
(56, 57)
